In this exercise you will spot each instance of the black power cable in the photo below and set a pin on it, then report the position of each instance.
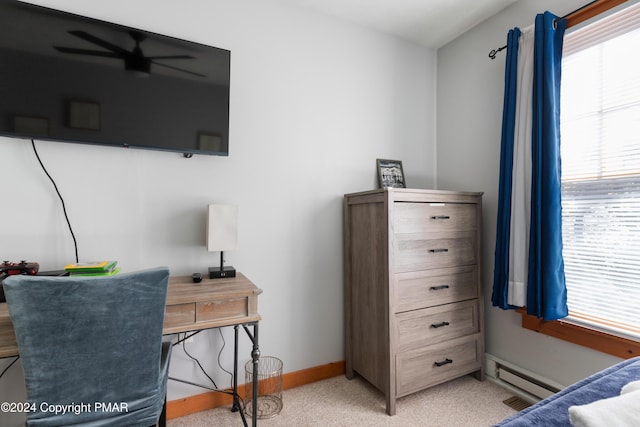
(10, 365)
(184, 348)
(217, 389)
(64, 208)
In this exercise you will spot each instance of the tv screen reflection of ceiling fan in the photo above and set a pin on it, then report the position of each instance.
(87, 95)
(134, 60)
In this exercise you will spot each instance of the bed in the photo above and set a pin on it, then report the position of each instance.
(606, 395)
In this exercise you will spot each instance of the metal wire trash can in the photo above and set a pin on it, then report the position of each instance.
(269, 387)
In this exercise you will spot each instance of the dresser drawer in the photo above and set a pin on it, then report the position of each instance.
(427, 217)
(426, 251)
(421, 328)
(433, 365)
(426, 288)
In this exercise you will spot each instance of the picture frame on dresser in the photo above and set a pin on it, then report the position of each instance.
(390, 174)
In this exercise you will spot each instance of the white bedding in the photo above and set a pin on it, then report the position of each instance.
(617, 411)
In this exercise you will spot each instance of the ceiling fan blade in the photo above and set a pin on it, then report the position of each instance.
(98, 41)
(87, 52)
(171, 57)
(178, 69)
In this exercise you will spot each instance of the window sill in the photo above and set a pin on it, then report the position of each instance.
(577, 334)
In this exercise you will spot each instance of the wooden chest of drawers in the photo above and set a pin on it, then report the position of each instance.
(413, 301)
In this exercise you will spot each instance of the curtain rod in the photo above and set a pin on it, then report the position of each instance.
(577, 17)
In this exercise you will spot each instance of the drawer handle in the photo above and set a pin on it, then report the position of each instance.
(438, 288)
(437, 217)
(437, 251)
(439, 325)
(444, 362)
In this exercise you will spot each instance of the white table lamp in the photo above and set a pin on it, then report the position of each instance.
(222, 235)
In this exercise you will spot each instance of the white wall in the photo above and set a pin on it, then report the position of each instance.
(314, 101)
(469, 114)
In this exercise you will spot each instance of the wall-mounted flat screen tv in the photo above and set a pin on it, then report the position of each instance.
(65, 77)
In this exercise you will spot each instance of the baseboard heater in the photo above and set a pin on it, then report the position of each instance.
(528, 385)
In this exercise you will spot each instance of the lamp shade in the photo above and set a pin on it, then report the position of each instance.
(222, 228)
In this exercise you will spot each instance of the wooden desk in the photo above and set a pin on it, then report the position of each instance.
(215, 303)
(8, 345)
(210, 303)
(192, 307)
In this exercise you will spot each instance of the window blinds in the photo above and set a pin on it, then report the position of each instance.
(600, 131)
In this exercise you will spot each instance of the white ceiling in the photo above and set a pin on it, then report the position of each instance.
(432, 23)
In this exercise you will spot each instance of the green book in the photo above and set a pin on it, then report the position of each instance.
(91, 267)
(96, 273)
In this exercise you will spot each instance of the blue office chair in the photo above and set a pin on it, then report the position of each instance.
(92, 348)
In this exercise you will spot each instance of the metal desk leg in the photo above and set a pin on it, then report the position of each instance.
(236, 401)
(255, 356)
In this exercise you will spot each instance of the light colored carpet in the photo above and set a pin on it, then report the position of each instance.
(339, 402)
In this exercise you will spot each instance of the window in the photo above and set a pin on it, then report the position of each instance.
(600, 120)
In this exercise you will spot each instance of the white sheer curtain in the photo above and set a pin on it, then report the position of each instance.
(521, 179)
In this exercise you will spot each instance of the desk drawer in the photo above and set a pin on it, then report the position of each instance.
(223, 309)
(8, 344)
(179, 314)
(421, 328)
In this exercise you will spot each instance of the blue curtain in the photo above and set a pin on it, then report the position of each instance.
(501, 263)
(546, 289)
